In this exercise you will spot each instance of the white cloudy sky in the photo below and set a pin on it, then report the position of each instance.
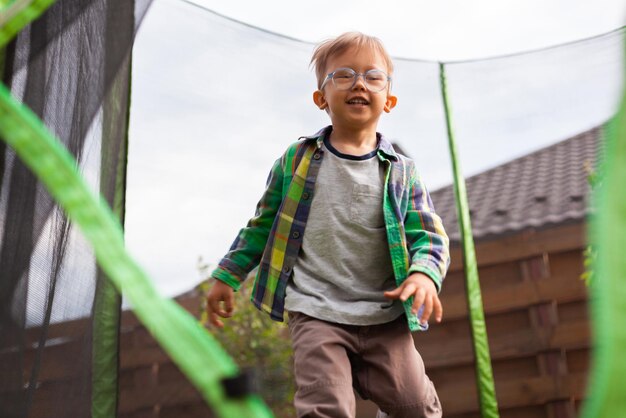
(435, 30)
(215, 102)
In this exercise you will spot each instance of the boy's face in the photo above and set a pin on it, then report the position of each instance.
(357, 107)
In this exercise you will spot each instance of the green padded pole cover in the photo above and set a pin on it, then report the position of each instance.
(106, 321)
(484, 375)
(16, 14)
(120, 24)
(606, 393)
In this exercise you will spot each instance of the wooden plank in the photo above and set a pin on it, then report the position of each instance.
(572, 335)
(573, 310)
(504, 369)
(567, 263)
(190, 301)
(63, 360)
(516, 343)
(560, 289)
(142, 356)
(152, 412)
(578, 360)
(493, 276)
(164, 394)
(66, 398)
(191, 410)
(532, 411)
(528, 243)
(75, 329)
(461, 397)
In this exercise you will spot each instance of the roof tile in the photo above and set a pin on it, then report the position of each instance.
(545, 188)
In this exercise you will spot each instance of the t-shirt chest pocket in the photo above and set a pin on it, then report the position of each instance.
(366, 205)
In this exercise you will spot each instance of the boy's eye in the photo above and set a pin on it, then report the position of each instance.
(375, 76)
(343, 75)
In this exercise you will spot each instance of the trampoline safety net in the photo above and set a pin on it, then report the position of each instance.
(72, 68)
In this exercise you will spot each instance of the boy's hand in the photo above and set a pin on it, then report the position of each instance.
(220, 302)
(423, 289)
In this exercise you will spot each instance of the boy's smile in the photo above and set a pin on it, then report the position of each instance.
(358, 101)
(357, 108)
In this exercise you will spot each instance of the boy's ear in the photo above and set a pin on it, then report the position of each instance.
(390, 103)
(319, 99)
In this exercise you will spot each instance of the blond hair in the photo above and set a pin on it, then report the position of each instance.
(342, 43)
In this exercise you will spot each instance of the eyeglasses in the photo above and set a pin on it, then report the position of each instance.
(345, 79)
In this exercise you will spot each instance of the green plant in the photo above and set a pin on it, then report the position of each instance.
(594, 179)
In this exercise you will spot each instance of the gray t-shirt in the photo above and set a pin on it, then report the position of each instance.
(344, 265)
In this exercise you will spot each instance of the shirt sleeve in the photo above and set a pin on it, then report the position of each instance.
(427, 241)
(246, 251)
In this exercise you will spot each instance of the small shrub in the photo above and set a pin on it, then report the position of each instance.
(255, 341)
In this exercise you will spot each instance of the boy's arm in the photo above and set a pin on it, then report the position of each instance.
(246, 251)
(427, 241)
(427, 244)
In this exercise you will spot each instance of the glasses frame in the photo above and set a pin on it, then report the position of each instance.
(330, 76)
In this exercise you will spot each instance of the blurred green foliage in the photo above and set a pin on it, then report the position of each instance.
(256, 342)
(594, 179)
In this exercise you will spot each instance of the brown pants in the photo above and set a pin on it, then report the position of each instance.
(379, 361)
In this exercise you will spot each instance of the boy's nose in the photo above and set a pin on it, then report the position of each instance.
(359, 82)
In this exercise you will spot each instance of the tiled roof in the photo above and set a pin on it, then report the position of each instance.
(545, 188)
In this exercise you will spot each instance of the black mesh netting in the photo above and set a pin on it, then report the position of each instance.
(72, 68)
(206, 88)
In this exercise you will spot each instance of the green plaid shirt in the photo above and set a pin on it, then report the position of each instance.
(272, 238)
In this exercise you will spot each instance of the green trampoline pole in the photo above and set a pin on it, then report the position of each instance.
(484, 375)
(113, 165)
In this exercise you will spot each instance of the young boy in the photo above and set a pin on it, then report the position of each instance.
(349, 244)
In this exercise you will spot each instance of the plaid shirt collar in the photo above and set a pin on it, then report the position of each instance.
(384, 147)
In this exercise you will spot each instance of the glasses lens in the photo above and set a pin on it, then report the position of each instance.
(344, 78)
(375, 80)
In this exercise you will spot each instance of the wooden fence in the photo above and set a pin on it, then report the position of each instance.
(537, 323)
(151, 386)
